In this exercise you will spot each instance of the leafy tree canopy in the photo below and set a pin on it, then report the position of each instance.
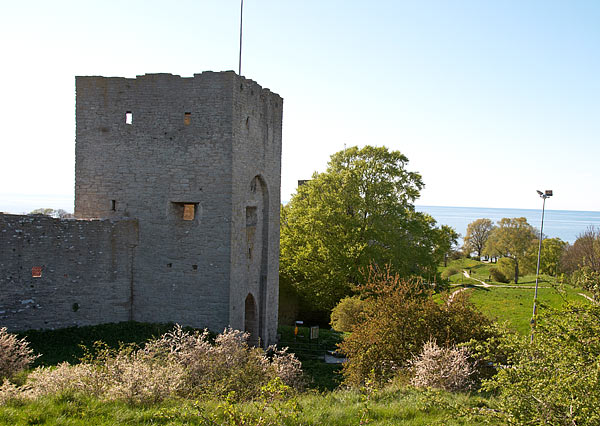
(359, 211)
(552, 251)
(478, 232)
(512, 239)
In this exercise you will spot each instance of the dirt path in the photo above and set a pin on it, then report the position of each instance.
(486, 285)
(454, 293)
(595, 302)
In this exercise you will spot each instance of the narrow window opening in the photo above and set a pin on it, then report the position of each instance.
(248, 122)
(189, 211)
(128, 117)
(36, 272)
(195, 267)
(169, 265)
(187, 118)
(113, 205)
(251, 221)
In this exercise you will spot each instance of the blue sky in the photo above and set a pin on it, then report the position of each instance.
(490, 100)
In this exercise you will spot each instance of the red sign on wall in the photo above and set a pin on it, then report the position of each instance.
(36, 271)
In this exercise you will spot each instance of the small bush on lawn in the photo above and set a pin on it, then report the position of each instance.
(15, 354)
(506, 265)
(449, 271)
(179, 363)
(400, 316)
(347, 313)
(442, 368)
(498, 275)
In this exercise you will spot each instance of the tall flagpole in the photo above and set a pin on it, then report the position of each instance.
(241, 21)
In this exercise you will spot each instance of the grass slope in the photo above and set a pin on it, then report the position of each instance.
(514, 304)
(392, 406)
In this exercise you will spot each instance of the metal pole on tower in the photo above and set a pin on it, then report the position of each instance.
(241, 21)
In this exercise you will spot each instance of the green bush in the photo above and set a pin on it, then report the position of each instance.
(347, 313)
(498, 275)
(506, 265)
(449, 271)
(587, 279)
(556, 379)
(400, 316)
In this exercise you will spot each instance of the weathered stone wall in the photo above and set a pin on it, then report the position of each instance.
(150, 168)
(86, 271)
(147, 146)
(257, 121)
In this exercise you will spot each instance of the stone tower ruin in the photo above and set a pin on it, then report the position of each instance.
(196, 164)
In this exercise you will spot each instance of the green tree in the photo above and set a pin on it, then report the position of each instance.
(552, 252)
(478, 232)
(446, 240)
(359, 211)
(585, 252)
(512, 238)
(60, 213)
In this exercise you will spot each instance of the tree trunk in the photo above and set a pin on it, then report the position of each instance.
(516, 272)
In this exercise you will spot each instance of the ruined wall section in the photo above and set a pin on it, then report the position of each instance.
(175, 151)
(86, 271)
(257, 139)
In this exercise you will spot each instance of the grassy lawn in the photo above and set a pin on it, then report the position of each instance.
(392, 406)
(513, 305)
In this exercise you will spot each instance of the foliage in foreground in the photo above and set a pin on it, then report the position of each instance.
(400, 316)
(179, 364)
(68, 344)
(393, 405)
(15, 354)
(555, 380)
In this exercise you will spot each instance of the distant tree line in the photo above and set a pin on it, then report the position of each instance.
(515, 243)
(58, 213)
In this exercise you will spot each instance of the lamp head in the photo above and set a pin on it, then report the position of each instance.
(548, 193)
(540, 193)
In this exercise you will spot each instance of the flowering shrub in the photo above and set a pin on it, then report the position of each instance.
(400, 316)
(176, 364)
(15, 354)
(442, 368)
(230, 365)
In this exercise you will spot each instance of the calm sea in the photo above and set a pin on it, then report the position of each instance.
(564, 224)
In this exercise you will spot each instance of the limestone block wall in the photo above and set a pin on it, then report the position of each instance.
(86, 271)
(257, 139)
(185, 174)
(145, 148)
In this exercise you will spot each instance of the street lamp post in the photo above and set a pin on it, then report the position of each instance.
(543, 195)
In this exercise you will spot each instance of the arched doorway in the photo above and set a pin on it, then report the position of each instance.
(257, 253)
(251, 320)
